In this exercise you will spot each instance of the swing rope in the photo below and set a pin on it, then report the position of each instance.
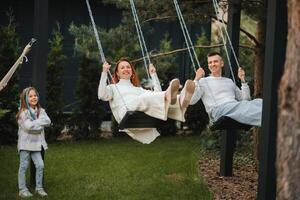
(187, 37)
(19, 61)
(101, 50)
(189, 45)
(223, 29)
(145, 53)
(223, 23)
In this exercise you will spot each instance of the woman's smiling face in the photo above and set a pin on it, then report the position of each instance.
(124, 70)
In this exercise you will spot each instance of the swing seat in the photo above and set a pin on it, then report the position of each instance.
(137, 119)
(225, 122)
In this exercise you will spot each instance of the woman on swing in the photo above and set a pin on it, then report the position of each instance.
(126, 94)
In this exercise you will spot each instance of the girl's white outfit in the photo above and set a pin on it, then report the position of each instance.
(31, 140)
(221, 97)
(124, 96)
(31, 136)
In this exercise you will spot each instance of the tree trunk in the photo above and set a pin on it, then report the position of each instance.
(259, 58)
(288, 142)
(258, 74)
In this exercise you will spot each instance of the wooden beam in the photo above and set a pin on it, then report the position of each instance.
(227, 151)
(233, 28)
(41, 48)
(40, 58)
(228, 136)
(275, 47)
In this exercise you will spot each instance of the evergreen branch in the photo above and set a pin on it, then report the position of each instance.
(157, 18)
(185, 49)
(249, 35)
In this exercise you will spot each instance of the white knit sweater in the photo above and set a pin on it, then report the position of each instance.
(122, 96)
(215, 91)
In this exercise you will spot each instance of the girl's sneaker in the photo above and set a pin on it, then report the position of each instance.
(41, 192)
(25, 194)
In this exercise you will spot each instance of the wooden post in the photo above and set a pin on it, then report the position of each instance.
(40, 51)
(40, 58)
(233, 28)
(276, 35)
(227, 150)
(228, 136)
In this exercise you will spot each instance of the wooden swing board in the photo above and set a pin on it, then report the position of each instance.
(137, 119)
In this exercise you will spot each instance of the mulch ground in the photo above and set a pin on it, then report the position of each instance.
(242, 185)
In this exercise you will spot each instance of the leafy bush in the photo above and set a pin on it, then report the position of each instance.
(196, 118)
(167, 70)
(88, 117)
(54, 99)
(210, 140)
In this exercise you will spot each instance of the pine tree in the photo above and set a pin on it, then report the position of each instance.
(54, 99)
(9, 43)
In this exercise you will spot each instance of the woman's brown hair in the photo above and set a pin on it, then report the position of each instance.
(23, 105)
(134, 78)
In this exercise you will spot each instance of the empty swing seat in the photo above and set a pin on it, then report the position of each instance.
(225, 122)
(137, 119)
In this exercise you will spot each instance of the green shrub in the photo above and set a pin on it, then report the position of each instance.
(167, 70)
(88, 117)
(9, 43)
(196, 118)
(54, 99)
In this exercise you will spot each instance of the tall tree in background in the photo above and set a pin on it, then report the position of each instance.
(55, 69)
(167, 70)
(257, 10)
(88, 116)
(91, 111)
(288, 142)
(9, 43)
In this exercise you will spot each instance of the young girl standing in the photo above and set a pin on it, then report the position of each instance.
(31, 119)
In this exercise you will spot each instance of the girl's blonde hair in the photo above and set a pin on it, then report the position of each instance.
(134, 78)
(24, 101)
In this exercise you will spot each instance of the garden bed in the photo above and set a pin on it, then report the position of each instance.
(242, 185)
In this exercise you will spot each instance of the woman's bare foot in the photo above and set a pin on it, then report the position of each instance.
(187, 93)
(172, 91)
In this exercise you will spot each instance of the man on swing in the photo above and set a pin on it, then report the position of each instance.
(221, 97)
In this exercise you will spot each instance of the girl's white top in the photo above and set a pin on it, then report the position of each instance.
(31, 136)
(215, 91)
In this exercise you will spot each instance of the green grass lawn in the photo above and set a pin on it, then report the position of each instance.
(118, 168)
